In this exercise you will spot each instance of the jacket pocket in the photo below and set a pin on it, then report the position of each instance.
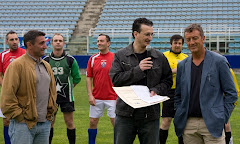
(218, 111)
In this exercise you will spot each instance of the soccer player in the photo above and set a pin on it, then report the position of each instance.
(102, 94)
(7, 57)
(67, 76)
(174, 56)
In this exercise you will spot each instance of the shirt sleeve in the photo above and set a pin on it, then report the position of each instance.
(75, 72)
(89, 68)
(1, 64)
(10, 103)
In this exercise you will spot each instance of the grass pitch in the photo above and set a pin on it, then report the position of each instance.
(105, 129)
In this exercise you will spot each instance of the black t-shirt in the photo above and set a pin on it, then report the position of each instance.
(194, 103)
(140, 57)
(140, 113)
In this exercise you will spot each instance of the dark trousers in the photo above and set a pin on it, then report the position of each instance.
(126, 129)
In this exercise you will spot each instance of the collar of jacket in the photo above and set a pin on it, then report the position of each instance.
(130, 51)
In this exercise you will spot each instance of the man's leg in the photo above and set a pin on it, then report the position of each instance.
(168, 113)
(42, 133)
(228, 133)
(111, 107)
(51, 130)
(68, 108)
(112, 121)
(71, 131)
(180, 140)
(148, 131)
(92, 131)
(19, 133)
(95, 113)
(5, 131)
(209, 139)
(190, 134)
(163, 132)
(124, 130)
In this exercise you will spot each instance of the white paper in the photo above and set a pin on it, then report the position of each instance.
(138, 96)
(144, 94)
(1, 115)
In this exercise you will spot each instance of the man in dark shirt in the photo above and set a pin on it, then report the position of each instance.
(134, 65)
(201, 108)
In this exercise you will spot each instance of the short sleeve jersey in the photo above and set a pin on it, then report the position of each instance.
(98, 68)
(173, 60)
(8, 56)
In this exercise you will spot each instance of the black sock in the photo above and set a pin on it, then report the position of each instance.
(228, 137)
(51, 136)
(71, 133)
(180, 140)
(163, 134)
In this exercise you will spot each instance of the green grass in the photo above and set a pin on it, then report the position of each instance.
(105, 129)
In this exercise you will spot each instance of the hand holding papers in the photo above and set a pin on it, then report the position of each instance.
(138, 96)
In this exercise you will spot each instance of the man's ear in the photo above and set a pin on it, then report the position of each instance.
(29, 44)
(108, 43)
(135, 33)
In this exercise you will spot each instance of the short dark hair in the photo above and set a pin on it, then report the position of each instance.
(57, 34)
(176, 37)
(194, 26)
(138, 22)
(31, 35)
(107, 37)
(10, 32)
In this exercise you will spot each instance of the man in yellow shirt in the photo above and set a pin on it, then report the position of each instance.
(174, 56)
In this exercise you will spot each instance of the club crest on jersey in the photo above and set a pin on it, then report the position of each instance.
(57, 64)
(103, 63)
(11, 60)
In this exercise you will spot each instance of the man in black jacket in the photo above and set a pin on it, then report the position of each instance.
(135, 65)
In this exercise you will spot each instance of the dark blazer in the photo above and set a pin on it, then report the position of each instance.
(216, 79)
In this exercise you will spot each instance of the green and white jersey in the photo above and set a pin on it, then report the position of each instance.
(66, 73)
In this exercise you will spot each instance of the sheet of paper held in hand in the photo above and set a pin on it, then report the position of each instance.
(138, 96)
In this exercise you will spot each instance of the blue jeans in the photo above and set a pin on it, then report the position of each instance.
(20, 134)
(126, 129)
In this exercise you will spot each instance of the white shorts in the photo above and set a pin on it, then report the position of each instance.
(97, 111)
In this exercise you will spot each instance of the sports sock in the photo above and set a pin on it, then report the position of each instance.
(71, 133)
(51, 136)
(92, 133)
(228, 137)
(6, 136)
(180, 140)
(163, 134)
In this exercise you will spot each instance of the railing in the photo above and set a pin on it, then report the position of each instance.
(213, 34)
(21, 31)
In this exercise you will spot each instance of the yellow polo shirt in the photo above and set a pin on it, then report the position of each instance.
(173, 60)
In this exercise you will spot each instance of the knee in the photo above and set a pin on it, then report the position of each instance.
(93, 123)
(69, 123)
(6, 122)
(166, 122)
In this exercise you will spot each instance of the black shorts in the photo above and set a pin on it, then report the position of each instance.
(67, 107)
(168, 106)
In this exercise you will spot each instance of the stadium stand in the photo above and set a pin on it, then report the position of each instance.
(50, 16)
(219, 18)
